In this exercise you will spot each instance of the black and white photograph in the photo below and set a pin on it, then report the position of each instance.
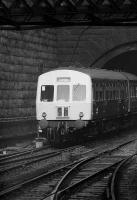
(68, 99)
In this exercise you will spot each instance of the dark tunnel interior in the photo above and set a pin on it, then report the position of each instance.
(124, 62)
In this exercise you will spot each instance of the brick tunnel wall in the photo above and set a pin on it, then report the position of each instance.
(81, 44)
(23, 56)
(85, 45)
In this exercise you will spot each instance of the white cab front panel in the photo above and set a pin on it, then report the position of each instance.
(65, 109)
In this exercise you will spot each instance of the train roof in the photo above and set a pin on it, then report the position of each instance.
(101, 73)
(110, 74)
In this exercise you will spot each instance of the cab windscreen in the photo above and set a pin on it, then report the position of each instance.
(47, 92)
(63, 93)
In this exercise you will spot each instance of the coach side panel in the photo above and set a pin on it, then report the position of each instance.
(110, 98)
(133, 95)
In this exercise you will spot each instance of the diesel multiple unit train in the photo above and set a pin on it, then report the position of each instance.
(72, 99)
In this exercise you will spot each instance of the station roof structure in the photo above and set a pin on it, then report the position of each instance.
(33, 14)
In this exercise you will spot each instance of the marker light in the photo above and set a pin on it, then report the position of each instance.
(81, 114)
(44, 115)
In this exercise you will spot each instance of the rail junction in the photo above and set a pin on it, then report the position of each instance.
(75, 172)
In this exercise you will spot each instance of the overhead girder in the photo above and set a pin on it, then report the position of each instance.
(28, 14)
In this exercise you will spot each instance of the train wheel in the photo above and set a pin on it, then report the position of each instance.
(52, 135)
(62, 134)
(57, 140)
(58, 137)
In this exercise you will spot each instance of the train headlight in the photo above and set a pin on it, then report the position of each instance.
(39, 129)
(44, 115)
(81, 114)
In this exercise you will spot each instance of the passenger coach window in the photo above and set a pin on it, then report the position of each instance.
(63, 92)
(47, 92)
(79, 92)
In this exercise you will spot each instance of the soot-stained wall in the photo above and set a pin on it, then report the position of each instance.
(91, 45)
(23, 56)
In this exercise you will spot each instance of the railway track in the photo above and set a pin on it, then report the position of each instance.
(42, 186)
(14, 164)
(27, 154)
(19, 155)
(30, 157)
(12, 171)
(79, 180)
(123, 182)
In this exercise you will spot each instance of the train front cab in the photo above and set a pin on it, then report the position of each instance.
(63, 103)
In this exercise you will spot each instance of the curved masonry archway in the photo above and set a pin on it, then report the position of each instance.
(100, 62)
(94, 45)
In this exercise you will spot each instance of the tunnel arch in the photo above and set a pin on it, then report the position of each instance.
(113, 53)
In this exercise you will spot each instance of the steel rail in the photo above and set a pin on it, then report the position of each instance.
(6, 160)
(47, 174)
(17, 186)
(36, 158)
(59, 191)
(56, 190)
(58, 194)
(23, 164)
(115, 177)
(7, 157)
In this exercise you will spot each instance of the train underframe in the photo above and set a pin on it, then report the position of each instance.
(81, 130)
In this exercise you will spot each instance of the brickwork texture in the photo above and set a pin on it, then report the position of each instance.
(85, 45)
(23, 56)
